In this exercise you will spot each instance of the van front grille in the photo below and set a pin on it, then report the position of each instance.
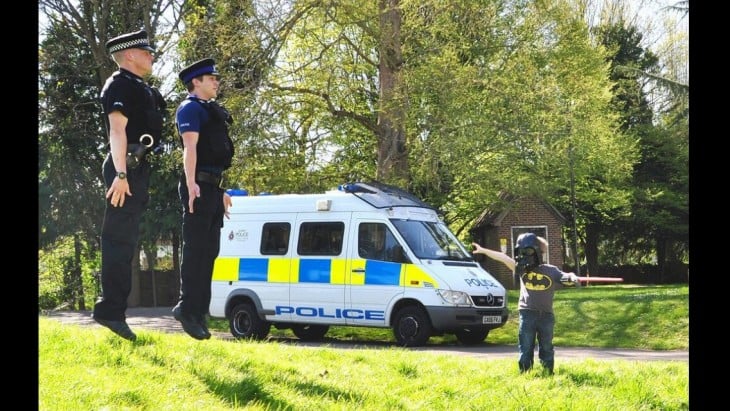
(488, 300)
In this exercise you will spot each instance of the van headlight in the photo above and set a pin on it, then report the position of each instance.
(455, 297)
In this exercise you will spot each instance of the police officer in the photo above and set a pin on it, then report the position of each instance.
(207, 152)
(134, 114)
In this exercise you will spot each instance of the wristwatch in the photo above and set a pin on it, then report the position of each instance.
(121, 175)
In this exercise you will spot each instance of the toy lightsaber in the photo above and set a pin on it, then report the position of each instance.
(601, 279)
(568, 280)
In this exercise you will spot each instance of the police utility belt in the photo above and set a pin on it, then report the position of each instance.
(136, 152)
(210, 178)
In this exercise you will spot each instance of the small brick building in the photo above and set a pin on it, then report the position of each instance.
(499, 226)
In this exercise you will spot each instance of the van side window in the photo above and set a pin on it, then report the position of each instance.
(320, 238)
(376, 242)
(275, 238)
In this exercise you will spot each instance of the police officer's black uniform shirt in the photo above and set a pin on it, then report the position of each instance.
(143, 106)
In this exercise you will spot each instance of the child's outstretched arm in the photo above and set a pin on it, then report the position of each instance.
(496, 255)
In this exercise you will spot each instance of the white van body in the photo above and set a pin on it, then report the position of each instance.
(365, 255)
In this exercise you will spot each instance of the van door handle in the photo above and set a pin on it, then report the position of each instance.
(358, 270)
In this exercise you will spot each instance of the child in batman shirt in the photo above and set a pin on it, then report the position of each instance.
(538, 283)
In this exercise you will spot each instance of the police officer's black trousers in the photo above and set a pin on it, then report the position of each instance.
(119, 237)
(201, 244)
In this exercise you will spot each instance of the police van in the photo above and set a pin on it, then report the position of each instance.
(366, 254)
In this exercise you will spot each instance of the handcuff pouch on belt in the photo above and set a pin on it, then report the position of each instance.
(136, 152)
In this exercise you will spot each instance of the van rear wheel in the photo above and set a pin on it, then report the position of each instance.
(245, 323)
(310, 332)
(411, 327)
(472, 336)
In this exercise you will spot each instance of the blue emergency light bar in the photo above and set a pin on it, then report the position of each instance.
(237, 192)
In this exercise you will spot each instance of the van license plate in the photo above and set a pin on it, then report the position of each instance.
(491, 319)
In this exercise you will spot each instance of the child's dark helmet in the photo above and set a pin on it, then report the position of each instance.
(527, 245)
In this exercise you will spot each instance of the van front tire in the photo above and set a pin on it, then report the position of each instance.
(411, 327)
(246, 324)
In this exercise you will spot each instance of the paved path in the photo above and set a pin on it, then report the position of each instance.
(160, 319)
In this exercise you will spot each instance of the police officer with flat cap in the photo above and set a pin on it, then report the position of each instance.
(133, 116)
(207, 151)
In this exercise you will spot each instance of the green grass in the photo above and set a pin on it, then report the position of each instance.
(617, 316)
(88, 368)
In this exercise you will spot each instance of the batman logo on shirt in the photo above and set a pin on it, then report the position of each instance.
(537, 281)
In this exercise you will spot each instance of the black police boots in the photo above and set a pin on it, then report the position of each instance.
(119, 328)
(204, 325)
(190, 325)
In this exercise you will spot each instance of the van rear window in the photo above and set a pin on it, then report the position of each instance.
(321, 238)
(275, 238)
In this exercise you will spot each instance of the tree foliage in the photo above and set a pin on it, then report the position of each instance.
(500, 110)
(69, 136)
(657, 228)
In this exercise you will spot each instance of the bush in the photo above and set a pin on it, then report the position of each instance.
(57, 284)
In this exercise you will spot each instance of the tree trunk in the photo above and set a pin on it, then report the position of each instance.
(392, 151)
(150, 254)
(661, 257)
(78, 286)
(593, 234)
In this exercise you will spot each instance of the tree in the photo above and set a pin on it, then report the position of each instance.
(329, 91)
(69, 161)
(503, 93)
(658, 225)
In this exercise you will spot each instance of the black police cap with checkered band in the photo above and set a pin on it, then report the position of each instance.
(137, 39)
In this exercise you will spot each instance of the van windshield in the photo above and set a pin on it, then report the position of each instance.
(431, 240)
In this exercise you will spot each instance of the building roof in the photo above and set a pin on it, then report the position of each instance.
(493, 215)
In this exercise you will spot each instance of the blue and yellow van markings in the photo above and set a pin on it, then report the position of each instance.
(253, 269)
(278, 271)
(338, 274)
(225, 269)
(382, 273)
(314, 271)
(320, 271)
(415, 277)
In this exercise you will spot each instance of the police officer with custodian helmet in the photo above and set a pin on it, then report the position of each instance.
(133, 116)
